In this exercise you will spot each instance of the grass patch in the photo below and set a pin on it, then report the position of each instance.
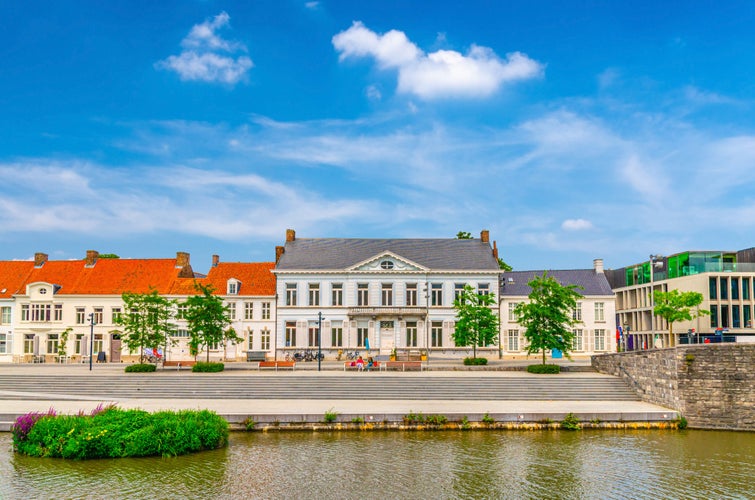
(570, 422)
(487, 419)
(330, 416)
(543, 369)
(115, 433)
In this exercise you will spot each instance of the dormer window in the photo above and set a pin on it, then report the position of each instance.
(233, 287)
(386, 264)
(42, 291)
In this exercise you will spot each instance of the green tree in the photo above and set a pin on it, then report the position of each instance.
(547, 317)
(146, 321)
(229, 335)
(463, 235)
(63, 343)
(477, 323)
(108, 256)
(675, 306)
(207, 319)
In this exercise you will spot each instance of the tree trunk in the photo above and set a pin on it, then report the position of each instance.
(543, 355)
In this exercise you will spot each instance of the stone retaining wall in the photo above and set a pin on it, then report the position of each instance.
(711, 385)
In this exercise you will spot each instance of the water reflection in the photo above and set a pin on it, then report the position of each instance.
(552, 464)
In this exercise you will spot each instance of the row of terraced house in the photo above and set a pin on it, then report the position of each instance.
(368, 295)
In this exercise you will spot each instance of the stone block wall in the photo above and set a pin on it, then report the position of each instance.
(711, 385)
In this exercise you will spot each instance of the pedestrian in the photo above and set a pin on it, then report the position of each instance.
(360, 364)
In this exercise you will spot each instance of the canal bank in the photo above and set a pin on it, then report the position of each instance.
(512, 399)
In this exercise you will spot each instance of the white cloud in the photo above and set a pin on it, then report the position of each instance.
(208, 57)
(443, 73)
(312, 5)
(576, 225)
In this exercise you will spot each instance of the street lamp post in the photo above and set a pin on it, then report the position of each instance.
(91, 339)
(655, 260)
(427, 324)
(319, 341)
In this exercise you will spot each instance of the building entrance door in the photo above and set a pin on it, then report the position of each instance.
(387, 337)
(115, 348)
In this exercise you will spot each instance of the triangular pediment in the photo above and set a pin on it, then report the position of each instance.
(387, 262)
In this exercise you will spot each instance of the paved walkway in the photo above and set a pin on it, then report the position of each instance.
(303, 409)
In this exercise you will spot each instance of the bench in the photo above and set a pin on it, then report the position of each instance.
(403, 365)
(277, 364)
(351, 365)
(178, 364)
(256, 356)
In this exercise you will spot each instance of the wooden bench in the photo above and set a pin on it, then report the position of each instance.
(178, 364)
(403, 365)
(277, 364)
(351, 365)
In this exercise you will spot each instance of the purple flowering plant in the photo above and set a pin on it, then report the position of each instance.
(23, 424)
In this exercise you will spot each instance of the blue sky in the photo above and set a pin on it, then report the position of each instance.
(570, 130)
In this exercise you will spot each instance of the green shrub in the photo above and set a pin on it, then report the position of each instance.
(249, 423)
(205, 367)
(436, 419)
(570, 422)
(115, 433)
(543, 369)
(475, 361)
(330, 416)
(465, 425)
(413, 418)
(487, 419)
(681, 422)
(357, 420)
(141, 368)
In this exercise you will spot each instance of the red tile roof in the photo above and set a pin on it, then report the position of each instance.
(256, 279)
(13, 275)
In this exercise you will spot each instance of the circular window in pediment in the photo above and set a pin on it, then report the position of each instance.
(386, 264)
(42, 291)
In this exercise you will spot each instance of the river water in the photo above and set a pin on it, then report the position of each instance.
(386, 465)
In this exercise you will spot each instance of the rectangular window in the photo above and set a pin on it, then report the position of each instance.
(746, 288)
(363, 294)
(576, 344)
(458, 290)
(735, 322)
(52, 343)
(233, 288)
(735, 289)
(57, 312)
(411, 334)
(3, 343)
(98, 343)
(117, 314)
(181, 311)
(712, 291)
(362, 333)
(387, 294)
(290, 294)
(483, 288)
(436, 297)
(266, 310)
(265, 339)
(80, 316)
(5, 317)
(600, 311)
(78, 343)
(512, 341)
(98, 316)
(40, 313)
(312, 334)
(248, 310)
(337, 294)
(180, 332)
(576, 313)
(336, 334)
(314, 294)
(250, 340)
(724, 289)
(24, 312)
(600, 340)
(714, 315)
(411, 294)
(512, 313)
(747, 312)
(725, 316)
(29, 343)
(436, 334)
(290, 334)
(231, 311)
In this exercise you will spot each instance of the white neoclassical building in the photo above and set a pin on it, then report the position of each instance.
(377, 295)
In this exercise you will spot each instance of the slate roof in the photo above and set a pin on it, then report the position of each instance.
(309, 254)
(592, 282)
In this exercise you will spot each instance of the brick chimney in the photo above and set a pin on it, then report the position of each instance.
(278, 252)
(290, 235)
(182, 262)
(91, 258)
(485, 236)
(597, 264)
(495, 250)
(215, 260)
(40, 259)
